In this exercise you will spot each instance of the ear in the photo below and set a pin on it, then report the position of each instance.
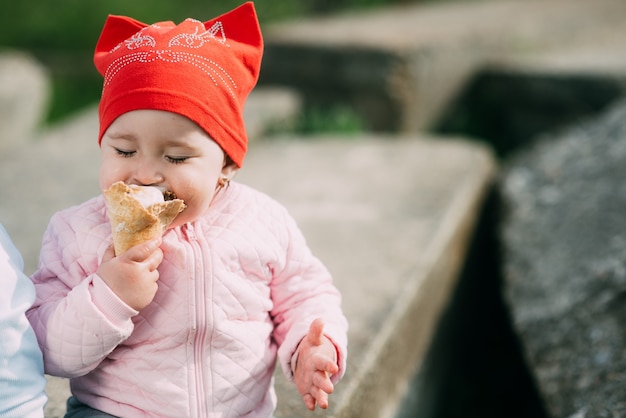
(229, 170)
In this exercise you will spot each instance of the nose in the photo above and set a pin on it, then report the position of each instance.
(147, 173)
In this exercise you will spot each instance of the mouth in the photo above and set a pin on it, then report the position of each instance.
(168, 195)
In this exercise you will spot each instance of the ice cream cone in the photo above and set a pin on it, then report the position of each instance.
(134, 222)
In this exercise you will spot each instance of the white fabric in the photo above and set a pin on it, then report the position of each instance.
(22, 383)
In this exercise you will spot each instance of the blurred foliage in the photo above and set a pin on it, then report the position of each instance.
(338, 119)
(62, 34)
(75, 24)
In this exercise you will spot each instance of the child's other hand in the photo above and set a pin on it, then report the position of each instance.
(133, 275)
(316, 363)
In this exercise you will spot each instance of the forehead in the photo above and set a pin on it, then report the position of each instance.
(155, 123)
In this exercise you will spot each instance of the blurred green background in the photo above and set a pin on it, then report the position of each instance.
(62, 34)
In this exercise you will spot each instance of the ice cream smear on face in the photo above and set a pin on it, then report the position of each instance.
(139, 213)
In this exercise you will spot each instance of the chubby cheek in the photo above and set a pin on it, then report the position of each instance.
(197, 202)
(109, 173)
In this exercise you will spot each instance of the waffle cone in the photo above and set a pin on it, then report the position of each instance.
(132, 223)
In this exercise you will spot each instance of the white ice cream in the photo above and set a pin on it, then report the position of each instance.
(146, 195)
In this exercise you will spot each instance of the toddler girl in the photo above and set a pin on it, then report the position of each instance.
(190, 324)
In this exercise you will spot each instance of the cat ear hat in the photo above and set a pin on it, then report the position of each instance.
(203, 71)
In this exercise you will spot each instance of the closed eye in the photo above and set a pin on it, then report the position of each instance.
(125, 154)
(176, 160)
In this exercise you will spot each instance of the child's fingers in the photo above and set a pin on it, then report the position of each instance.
(316, 331)
(323, 364)
(309, 401)
(321, 398)
(323, 382)
(141, 252)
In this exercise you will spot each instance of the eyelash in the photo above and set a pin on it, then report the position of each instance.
(129, 154)
(178, 160)
(125, 154)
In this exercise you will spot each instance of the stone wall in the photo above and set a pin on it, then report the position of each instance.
(564, 243)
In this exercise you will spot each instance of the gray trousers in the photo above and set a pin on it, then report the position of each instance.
(77, 409)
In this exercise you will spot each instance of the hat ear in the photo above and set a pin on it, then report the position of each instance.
(242, 26)
(116, 29)
(245, 20)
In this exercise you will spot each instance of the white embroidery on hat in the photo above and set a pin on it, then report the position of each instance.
(196, 40)
(138, 41)
(212, 69)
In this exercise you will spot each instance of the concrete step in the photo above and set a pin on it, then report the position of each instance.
(392, 218)
(514, 100)
(399, 68)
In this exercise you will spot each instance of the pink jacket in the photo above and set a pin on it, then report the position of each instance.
(237, 288)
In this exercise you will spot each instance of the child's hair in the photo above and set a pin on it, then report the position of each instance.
(203, 71)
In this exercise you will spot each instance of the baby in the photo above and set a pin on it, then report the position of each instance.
(189, 324)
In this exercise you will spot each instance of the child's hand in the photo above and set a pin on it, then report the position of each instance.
(133, 275)
(316, 363)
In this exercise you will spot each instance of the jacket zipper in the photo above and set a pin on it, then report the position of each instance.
(201, 322)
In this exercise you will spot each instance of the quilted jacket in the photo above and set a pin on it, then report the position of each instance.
(237, 289)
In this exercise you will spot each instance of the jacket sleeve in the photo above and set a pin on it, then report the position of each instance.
(303, 290)
(78, 320)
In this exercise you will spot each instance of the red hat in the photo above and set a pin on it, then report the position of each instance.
(203, 71)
